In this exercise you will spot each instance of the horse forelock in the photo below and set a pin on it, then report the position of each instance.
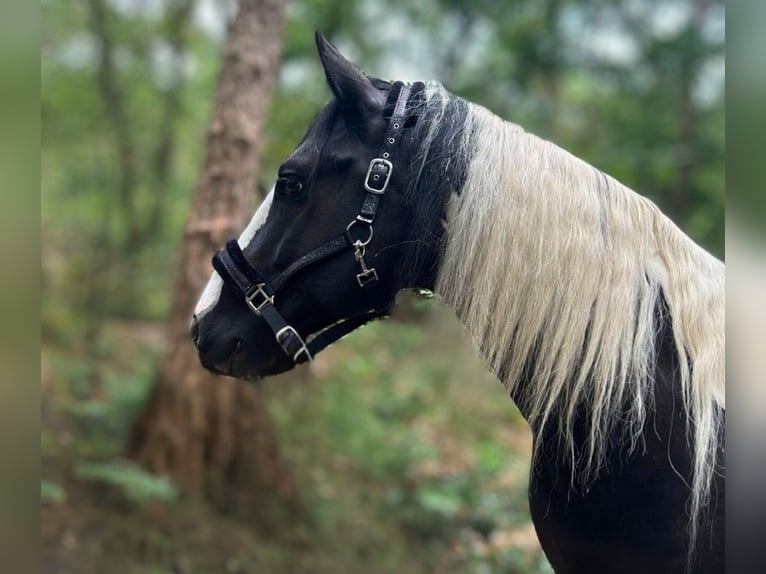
(557, 271)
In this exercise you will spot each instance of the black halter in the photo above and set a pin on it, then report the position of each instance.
(260, 293)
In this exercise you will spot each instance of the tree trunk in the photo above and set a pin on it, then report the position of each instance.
(211, 434)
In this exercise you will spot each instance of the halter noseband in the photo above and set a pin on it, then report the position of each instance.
(259, 293)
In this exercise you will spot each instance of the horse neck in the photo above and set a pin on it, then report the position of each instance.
(556, 270)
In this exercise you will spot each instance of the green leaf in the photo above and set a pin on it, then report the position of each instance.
(136, 484)
(51, 492)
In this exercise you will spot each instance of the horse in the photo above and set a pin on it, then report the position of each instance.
(603, 320)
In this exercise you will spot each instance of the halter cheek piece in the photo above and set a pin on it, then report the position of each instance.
(260, 293)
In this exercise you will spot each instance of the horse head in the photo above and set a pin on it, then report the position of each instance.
(338, 235)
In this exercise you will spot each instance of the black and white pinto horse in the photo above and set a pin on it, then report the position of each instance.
(602, 319)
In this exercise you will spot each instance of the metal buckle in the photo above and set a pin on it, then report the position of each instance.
(367, 277)
(368, 185)
(257, 306)
(289, 329)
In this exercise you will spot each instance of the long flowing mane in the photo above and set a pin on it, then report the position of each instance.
(557, 271)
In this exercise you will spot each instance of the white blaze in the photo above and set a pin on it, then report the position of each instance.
(209, 296)
(256, 222)
(212, 291)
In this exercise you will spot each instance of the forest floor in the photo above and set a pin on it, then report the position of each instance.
(407, 454)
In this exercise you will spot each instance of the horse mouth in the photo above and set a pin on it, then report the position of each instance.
(242, 365)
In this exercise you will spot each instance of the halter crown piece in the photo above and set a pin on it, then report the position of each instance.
(260, 293)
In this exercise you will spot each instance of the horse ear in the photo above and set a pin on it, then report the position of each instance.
(351, 86)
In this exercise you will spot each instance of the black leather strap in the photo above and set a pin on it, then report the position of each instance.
(325, 250)
(288, 338)
(381, 168)
(229, 263)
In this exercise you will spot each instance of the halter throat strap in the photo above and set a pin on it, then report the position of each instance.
(260, 293)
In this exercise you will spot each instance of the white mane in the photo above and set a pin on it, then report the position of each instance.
(548, 258)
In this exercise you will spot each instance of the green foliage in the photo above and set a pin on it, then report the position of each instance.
(51, 492)
(127, 394)
(135, 483)
(380, 439)
(101, 392)
(490, 456)
(86, 219)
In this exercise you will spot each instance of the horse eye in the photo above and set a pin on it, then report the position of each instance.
(289, 186)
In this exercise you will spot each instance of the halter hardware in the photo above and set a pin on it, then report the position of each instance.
(367, 276)
(359, 242)
(379, 168)
(259, 293)
(289, 330)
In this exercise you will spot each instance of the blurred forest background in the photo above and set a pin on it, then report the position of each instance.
(395, 451)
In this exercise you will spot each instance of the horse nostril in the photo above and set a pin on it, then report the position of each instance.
(195, 331)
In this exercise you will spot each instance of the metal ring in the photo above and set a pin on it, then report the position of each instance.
(358, 242)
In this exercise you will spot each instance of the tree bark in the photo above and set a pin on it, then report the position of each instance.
(211, 434)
